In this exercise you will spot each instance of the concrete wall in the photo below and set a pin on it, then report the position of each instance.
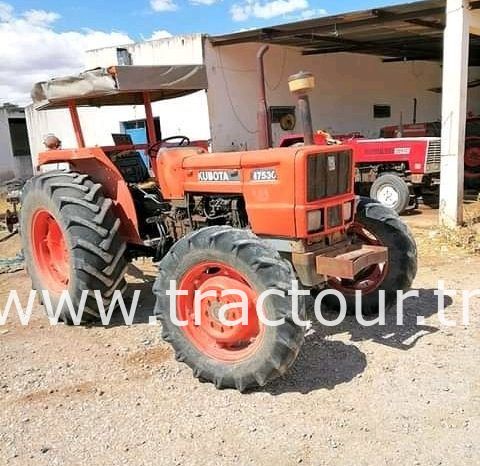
(178, 50)
(6, 157)
(11, 166)
(97, 124)
(183, 116)
(347, 88)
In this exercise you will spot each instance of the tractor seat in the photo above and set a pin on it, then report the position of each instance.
(131, 166)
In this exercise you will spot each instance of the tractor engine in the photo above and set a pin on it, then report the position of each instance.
(165, 222)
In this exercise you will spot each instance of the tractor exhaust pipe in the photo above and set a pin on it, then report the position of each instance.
(263, 121)
(300, 85)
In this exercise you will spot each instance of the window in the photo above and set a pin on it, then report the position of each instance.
(19, 136)
(284, 115)
(123, 57)
(382, 111)
(134, 124)
(138, 129)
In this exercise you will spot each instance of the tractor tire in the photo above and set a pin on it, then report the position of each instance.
(240, 356)
(431, 199)
(472, 162)
(376, 224)
(71, 241)
(392, 191)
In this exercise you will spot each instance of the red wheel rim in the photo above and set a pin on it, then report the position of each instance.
(211, 337)
(50, 251)
(369, 279)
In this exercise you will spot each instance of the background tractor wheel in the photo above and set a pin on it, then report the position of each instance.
(391, 191)
(376, 224)
(240, 356)
(431, 199)
(472, 162)
(71, 240)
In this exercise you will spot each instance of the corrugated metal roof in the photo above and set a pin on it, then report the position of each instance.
(410, 31)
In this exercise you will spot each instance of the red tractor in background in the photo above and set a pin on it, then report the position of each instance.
(434, 129)
(250, 221)
(395, 171)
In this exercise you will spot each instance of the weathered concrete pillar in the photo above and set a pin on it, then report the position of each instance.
(454, 109)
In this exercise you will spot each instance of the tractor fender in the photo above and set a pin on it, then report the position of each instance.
(168, 166)
(95, 163)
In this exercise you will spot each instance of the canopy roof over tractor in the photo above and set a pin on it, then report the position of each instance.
(120, 85)
(410, 31)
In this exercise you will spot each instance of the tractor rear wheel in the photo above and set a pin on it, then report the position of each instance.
(378, 225)
(243, 355)
(71, 241)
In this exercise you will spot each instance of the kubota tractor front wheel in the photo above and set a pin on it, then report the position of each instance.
(242, 355)
(71, 241)
(378, 225)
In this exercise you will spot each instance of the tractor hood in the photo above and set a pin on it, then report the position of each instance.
(119, 85)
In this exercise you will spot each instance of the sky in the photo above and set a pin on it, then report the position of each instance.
(46, 38)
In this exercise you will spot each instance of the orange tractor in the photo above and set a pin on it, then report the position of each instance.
(250, 221)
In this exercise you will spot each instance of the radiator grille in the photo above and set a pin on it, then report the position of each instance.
(433, 155)
(328, 174)
(334, 216)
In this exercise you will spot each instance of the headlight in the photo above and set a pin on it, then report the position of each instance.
(347, 211)
(314, 221)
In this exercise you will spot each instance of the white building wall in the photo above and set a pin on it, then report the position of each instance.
(182, 116)
(347, 88)
(97, 123)
(6, 155)
(348, 85)
(178, 50)
(11, 166)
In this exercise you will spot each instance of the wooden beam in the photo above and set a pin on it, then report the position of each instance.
(378, 48)
(475, 22)
(427, 24)
(328, 51)
(474, 5)
(378, 17)
(408, 58)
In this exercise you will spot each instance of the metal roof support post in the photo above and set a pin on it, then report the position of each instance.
(454, 111)
(77, 127)
(152, 135)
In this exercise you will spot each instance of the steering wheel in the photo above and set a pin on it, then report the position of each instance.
(156, 146)
(184, 141)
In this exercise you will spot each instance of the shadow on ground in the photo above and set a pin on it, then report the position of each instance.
(324, 363)
(146, 300)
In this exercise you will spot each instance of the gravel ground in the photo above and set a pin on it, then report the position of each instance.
(356, 396)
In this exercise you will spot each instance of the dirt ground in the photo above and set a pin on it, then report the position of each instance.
(356, 396)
